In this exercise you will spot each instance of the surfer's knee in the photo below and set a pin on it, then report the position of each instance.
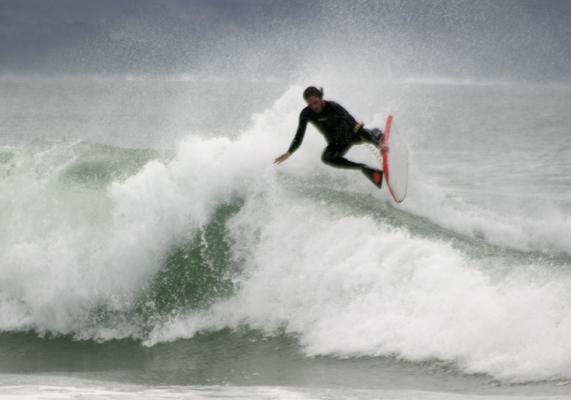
(328, 157)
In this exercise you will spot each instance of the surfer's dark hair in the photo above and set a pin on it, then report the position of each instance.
(312, 91)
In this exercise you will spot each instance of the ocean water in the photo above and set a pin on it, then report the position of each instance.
(149, 248)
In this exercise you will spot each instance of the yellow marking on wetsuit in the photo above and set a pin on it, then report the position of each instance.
(357, 126)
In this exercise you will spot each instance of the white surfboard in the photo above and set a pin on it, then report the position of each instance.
(395, 162)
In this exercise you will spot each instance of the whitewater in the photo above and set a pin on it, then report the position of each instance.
(198, 245)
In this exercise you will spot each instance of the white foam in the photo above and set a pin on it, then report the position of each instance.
(94, 390)
(539, 226)
(66, 252)
(351, 286)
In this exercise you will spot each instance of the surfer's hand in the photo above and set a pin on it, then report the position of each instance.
(384, 148)
(281, 158)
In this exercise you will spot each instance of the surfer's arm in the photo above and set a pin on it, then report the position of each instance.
(299, 134)
(296, 142)
(359, 128)
(344, 114)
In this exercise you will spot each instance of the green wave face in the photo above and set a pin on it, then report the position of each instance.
(200, 272)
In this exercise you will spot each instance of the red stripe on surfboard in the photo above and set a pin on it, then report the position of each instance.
(385, 154)
(386, 142)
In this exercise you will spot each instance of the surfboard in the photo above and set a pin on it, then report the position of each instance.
(395, 162)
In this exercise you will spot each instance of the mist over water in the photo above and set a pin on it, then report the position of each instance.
(140, 209)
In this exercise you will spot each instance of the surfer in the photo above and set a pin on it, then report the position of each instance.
(341, 131)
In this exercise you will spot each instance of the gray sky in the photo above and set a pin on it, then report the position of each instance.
(524, 39)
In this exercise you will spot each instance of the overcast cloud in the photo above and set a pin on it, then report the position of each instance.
(522, 38)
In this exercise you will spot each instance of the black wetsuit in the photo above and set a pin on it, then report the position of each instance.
(340, 129)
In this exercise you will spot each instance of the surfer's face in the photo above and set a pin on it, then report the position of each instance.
(315, 103)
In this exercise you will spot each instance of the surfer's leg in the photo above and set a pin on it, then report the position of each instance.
(333, 156)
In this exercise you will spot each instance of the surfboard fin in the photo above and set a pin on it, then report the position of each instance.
(374, 175)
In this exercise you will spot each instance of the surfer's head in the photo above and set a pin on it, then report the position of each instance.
(314, 98)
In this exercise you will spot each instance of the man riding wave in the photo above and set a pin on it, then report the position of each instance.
(341, 131)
